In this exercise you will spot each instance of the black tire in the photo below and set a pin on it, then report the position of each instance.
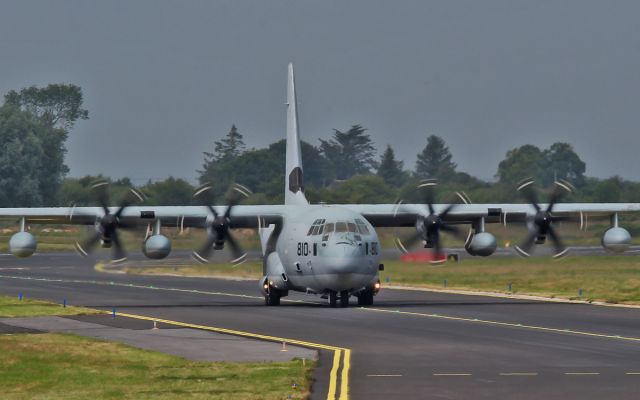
(333, 299)
(365, 298)
(344, 299)
(272, 298)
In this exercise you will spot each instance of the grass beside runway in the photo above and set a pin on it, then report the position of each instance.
(612, 279)
(25, 307)
(247, 270)
(63, 366)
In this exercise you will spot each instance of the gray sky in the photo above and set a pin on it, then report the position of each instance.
(163, 79)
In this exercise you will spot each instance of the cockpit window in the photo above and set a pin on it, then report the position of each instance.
(358, 227)
(328, 228)
(362, 227)
(316, 228)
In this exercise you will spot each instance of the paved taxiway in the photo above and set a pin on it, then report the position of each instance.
(409, 345)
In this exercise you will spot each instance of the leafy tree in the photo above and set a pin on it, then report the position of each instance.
(58, 105)
(77, 191)
(520, 163)
(72, 191)
(349, 153)
(390, 169)
(169, 192)
(611, 190)
(317, 170)
(55, 108)
(564, 163)
(435, 160)
(21, 158)
(360, 189)
(262, 170)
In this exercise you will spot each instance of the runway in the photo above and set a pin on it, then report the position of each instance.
(410, 344)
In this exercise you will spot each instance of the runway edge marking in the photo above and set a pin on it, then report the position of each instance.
(337, 351)
(508, 324)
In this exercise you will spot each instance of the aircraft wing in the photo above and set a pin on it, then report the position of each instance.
(400, 215)
(254, 216)
(172, 216)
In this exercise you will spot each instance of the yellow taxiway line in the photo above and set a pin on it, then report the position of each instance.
(333, 376)
(346, 366)
(337, 351)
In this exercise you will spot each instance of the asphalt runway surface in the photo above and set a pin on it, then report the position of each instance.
(410, 344)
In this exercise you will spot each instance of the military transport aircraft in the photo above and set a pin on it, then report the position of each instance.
(330, 250)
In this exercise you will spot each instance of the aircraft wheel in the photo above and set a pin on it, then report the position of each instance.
(333, 299)
(272, 298)
(365, 298)
(344, 299)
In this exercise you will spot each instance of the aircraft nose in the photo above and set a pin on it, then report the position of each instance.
(347, 249)
(345, 264)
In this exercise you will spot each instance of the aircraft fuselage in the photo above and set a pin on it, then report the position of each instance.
(324, 249)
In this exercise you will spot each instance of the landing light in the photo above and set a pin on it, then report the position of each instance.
(377, 285)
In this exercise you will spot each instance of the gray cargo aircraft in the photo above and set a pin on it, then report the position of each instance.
(330, 250)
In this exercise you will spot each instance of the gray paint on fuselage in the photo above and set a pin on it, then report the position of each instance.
(340, 263)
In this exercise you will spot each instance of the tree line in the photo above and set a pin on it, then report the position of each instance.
(344, 168)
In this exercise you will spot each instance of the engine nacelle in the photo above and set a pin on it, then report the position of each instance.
(156, 247)
(22, 244)
(482, 244)
(616, 239)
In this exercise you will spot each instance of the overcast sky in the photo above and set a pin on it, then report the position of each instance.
(163, 79)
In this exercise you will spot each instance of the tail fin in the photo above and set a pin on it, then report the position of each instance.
(294, 187)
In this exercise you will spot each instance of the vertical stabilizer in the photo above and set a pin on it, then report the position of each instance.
(294, 186)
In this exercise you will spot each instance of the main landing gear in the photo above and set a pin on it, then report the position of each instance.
(365, 297)
(343, 297)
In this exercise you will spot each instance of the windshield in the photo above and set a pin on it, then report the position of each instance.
(342, 227)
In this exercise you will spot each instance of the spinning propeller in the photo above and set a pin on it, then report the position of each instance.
(108, 224)
(543, 220)
(429, 224)
(219, 225)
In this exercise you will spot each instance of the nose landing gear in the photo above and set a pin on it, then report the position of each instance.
(344, 299)
(272, 298)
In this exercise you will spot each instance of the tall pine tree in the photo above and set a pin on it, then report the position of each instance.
(435, 160)
(349, 153)
(229, 147)
(390, 169)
